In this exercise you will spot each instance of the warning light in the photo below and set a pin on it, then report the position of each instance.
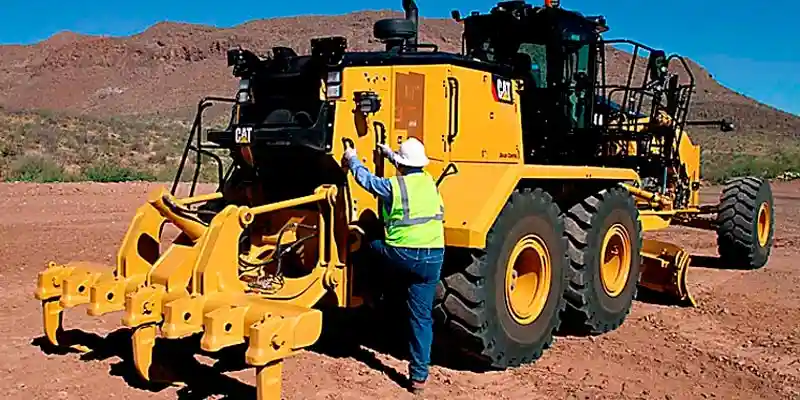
(552, 3)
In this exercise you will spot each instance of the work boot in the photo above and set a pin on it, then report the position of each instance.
(417, 387)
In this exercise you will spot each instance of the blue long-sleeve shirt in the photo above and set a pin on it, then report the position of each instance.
(377, 186)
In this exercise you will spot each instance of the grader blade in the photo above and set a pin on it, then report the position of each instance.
(664, 270)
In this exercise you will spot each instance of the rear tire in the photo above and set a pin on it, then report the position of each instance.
(746, 223)
(602, 287)
(472, 304)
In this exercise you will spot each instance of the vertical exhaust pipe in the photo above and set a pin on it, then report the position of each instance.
(412, 13)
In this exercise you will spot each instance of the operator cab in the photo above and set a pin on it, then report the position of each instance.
(552, 51)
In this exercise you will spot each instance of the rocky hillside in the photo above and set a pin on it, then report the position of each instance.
(163, 72)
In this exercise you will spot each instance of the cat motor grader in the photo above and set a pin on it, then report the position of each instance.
(550, 175)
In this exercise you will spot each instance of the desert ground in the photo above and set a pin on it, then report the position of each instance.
(742, 342)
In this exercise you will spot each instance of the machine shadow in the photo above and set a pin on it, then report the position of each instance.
(173, 363)
(713, 262)
(649, 296)
(351, 333)
(697, 261)
(364, 332)
(359, 334)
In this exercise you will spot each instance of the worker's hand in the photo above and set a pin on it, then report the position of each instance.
(349, 154)
(385, 150)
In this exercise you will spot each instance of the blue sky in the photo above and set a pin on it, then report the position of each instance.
(750, 46)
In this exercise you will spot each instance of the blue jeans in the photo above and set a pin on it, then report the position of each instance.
(421, 268)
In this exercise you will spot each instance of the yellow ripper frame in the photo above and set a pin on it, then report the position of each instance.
(194, 286)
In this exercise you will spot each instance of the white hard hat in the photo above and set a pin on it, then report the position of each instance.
(412, 154)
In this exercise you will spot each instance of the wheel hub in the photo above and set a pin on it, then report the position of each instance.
(764, 224)
(528, 279)
(615, 266)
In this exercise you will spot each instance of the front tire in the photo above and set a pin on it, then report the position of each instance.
(746, 222)
(605, 241)
(505, 305)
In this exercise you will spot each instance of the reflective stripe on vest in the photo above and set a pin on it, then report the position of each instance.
(415, 219)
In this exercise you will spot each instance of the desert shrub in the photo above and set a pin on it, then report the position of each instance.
(108, 172)
(721, 168)
(36, 168)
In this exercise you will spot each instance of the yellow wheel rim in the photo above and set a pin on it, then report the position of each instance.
(528, 279)
(615, 266)
(763, 224)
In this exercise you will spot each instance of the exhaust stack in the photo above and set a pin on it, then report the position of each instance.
(412, 14)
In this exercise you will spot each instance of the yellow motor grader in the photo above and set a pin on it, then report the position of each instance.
(550, 175)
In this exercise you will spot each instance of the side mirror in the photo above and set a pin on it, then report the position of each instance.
(456, 15)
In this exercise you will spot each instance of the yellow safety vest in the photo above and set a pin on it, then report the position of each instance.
(415, 218)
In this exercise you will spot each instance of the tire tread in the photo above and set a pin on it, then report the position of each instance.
(460, 304)
(578, 221)
(736, 236)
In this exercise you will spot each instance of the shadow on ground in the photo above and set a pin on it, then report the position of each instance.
(713, 262)
(353, 333)
(357, 334)
(173, 362)
(362, 333)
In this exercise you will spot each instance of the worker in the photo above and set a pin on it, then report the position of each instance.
(414, 243)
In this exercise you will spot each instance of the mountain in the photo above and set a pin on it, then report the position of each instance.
(166, 69)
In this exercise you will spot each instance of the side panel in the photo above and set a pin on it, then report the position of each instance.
(473, 197)
(485, 151)
(488, 119)
(476, 194)
(362, 131)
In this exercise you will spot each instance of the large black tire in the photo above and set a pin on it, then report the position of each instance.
(592, 308)
(471, 309)
(745, 223)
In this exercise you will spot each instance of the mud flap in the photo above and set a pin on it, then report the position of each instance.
(664, 270)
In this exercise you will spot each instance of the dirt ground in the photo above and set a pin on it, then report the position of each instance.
(742, 342)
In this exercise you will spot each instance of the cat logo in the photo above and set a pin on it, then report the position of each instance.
(242, 134)
(502, 89)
